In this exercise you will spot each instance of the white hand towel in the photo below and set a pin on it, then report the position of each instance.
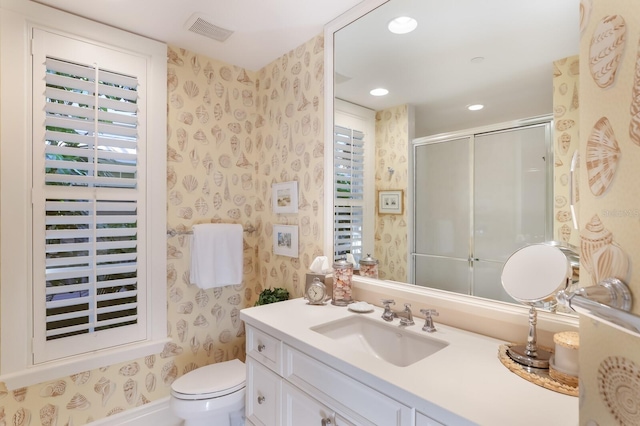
(216, 255)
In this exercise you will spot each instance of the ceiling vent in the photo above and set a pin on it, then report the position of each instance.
(202, 25)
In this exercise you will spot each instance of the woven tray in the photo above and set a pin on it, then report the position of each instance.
(537, 376)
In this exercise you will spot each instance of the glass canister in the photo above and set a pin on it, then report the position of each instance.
(369, 267)
(342, 279)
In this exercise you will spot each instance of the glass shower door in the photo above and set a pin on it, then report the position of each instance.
(509, 201)
(442, 205)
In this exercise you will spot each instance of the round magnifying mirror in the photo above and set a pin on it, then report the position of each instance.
(536, 273)
(533, 274)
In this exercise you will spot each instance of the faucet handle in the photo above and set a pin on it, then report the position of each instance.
(428, 319)
(388, 315)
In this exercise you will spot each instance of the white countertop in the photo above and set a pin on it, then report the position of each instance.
(464, 383)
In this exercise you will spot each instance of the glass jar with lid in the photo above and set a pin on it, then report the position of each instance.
(369, 267)
(342, 280)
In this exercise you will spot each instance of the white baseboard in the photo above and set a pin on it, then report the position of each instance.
(156, 413)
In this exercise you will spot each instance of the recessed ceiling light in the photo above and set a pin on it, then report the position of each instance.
(379, 92)
(475, 107)
(402, 25)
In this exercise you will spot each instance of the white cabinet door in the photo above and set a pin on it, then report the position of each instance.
(298, 409)
(263, 395)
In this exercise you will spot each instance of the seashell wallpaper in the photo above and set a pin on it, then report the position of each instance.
(231, 134)
(606, 48)
(392, 149)
(619, 386)
(566, 114)
(609, 203)
(602, 156)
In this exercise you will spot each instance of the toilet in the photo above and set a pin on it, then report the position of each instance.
(211, 396)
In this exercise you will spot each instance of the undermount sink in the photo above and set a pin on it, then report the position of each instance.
(386, 341)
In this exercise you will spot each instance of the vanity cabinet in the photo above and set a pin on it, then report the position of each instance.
(297, 374)
(286, 386)
(422, 420)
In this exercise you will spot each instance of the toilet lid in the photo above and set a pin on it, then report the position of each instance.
(211, 381)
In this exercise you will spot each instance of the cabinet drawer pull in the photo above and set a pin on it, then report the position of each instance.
(261, 347)
(326, 422)
(261, 399)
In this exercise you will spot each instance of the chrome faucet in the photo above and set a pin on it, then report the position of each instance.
(406, 316)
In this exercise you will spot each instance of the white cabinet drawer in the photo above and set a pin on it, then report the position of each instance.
(298, 409)
(264, 348)
(422, 420)
(262, 403)
(349, 396)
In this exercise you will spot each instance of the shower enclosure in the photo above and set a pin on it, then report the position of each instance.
(478, 196)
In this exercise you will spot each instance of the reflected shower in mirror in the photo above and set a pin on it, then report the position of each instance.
(478, 197)
(509, 56)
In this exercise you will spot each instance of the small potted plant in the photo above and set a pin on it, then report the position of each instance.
(272, 295)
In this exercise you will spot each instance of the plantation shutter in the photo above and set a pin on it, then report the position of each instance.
(89, 189)
(91, 118)
(348, 175)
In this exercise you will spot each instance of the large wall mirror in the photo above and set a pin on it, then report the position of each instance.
(509, 56)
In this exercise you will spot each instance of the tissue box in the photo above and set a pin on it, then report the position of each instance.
(327, 279)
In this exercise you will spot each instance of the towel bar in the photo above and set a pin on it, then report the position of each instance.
(172, 232)
(608, 302)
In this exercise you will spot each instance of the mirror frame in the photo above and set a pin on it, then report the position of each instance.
(501, 309)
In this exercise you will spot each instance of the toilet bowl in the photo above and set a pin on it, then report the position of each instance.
(211, 396)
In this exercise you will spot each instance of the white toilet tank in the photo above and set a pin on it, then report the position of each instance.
(212, 395)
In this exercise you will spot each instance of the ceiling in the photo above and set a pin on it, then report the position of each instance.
(431, 68)
(263, 29)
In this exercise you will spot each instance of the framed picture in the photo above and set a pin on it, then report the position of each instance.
(285, 197)
(390, 202)
(285, 240)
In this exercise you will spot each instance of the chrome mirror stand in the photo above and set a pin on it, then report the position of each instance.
(530, 355)
(532, 275)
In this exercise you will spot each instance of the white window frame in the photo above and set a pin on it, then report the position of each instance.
(17, 18)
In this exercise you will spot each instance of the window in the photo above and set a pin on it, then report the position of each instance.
(85, 200)
(348, 172)
(83, 166)
(353, 181)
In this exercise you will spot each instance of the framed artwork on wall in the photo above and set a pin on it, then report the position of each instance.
(390, 202)
(285, 197)
(285, 240)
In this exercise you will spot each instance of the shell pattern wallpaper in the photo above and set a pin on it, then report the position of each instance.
(231, 134)
(566, 112)
(609, 203)
(392, 150)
